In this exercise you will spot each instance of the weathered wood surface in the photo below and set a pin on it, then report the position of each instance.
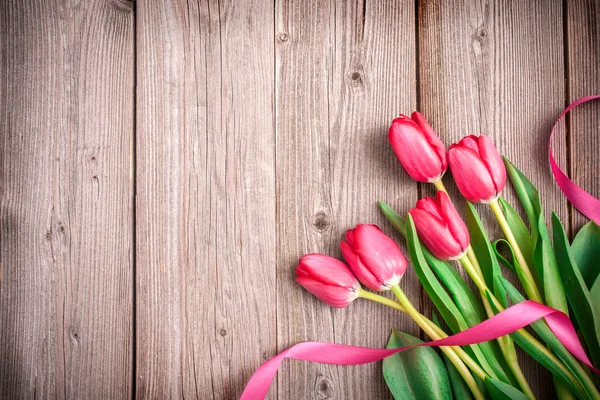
(66, 217)
(583, 62)
(206, 204)
(336, 64)
(260, 135)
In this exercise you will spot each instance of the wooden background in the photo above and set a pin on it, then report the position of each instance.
(163, 164)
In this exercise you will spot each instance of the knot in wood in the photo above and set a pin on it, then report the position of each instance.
(282, 37)
(356, 78)
(324, 389)
(320, 220)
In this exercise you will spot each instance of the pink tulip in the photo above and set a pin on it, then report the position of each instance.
(418, 147)
(375, 258)
(440, 227)
(477, 168)
(327, 278)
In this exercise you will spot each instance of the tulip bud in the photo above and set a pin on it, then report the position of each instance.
(477, 168)
(375, 258)
(418, 148)
(327, 278)
(440, 227)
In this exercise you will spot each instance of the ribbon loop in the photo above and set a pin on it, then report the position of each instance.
(582, 200)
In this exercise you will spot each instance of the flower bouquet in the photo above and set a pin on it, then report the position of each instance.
(558, 276)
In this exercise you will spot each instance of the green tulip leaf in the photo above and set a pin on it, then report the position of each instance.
(488, 354)
(585, 250)
(595, 294)
(465, 299)
(484, 252)
(545, 274)
(431, 284)
(395, 219)
(506, 262)
(573, 375)
(578, 294)
(502, 391)
(417, 373)
(451, 311)
(545, 259)
(519, 229)
(528, 195)
(459, 386)
(436, 320)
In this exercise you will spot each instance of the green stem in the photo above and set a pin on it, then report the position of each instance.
(386, 301)
(506, 346)
(526, 335)
(562, 390)
(439, 185)
(534, 294)
(528, 282)
(510, 355)
(473, 259)
(440, 333)
(449, 351)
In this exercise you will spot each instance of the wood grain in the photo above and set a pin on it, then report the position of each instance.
(205, 197)
(344, 70)
(260, 136)
(66, 122)
(497, 68)
(583, 32)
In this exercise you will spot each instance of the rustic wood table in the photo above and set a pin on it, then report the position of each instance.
(163, 164)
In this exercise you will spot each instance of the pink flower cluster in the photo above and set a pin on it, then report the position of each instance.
(373, 258)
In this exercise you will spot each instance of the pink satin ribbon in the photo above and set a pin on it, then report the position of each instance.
(582, 200)
(508, 321)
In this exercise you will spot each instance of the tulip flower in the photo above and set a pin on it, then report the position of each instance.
(327, 278)
(418, 148)
(440, 227)
(374, 257)
(477, 168)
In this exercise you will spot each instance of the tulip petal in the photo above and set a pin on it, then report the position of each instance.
(333, 295)
(490, 156)
(455, 223)
(470, 141)
(360, 270)
(326, 269)
(380, 254)
(431, 206)
(470, 174)
(432, 138)
(435, 235)
(413, 150)
(350, 237)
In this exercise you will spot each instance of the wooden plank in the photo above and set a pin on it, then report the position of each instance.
(497, 68)
(205, 197)
(66, 122)
(344, 71)
(583, 19)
